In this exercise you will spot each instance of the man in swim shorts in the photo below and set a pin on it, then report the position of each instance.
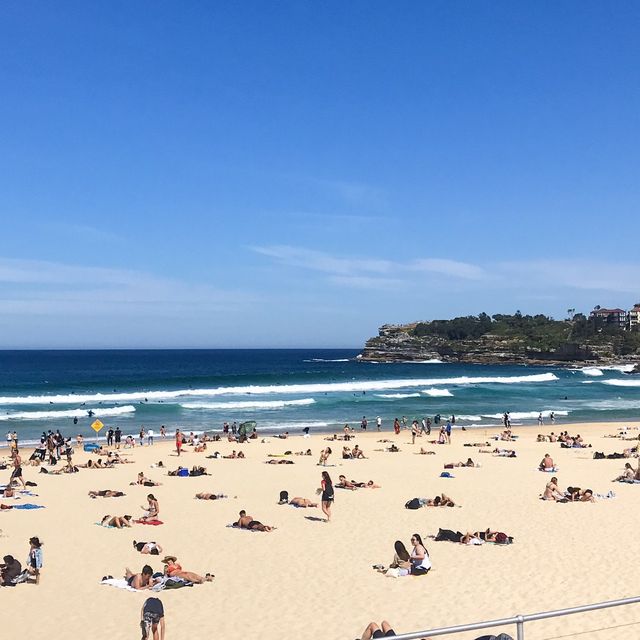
(152, 619)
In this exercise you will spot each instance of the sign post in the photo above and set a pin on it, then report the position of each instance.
(96, 425)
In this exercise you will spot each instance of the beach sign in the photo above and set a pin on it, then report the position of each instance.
(96, 425)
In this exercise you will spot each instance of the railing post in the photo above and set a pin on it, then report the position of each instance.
(520, 628)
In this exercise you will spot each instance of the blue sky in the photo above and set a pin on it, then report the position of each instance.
(250, 174)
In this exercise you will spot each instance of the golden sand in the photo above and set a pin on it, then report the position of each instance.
(310, 579)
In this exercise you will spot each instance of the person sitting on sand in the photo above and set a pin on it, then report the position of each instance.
(302, 502)
(628, 475)
(401, 560)
(118, 522)
(247, 522)
(420, 561)
(547, 464)
(148, 548)
(503, 453)
(346, 453)
(324, 456)
(393, 449)
(173, 570)
(10, 569)
(552, 492)
(201, 447)
(357, 453)
(145, 481)
(210, 496)
(152, 511)
(106, 493)
(140, 581)
(343, 483)
(425, 452)
(372, 630)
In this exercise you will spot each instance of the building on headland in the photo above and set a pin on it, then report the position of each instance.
(618, 317)
(634, 318)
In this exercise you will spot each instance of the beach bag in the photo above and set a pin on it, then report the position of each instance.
(183, 473)
(502, 538)
(414, 503)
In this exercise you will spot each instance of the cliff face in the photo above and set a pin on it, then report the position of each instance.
(396, 343)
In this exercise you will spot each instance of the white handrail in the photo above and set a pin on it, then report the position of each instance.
(517, 620)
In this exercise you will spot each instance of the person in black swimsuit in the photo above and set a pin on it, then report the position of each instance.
(326, 489)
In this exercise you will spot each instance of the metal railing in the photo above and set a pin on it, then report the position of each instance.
(516, 620)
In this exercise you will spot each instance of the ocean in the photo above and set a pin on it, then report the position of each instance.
(289, 389)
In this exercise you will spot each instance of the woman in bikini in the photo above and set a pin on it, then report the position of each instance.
(173, 570)
(153, 509)
(118, 522)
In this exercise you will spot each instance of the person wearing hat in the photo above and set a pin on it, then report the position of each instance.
(34, 560)
(173, 570)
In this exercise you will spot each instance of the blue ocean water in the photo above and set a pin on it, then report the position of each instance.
(288, 389)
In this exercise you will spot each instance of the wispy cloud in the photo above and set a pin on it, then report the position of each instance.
(448, 267)
(357, 272)
(51, 288)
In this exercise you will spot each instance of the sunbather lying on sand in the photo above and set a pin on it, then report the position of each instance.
(438, 501)
(173, 570)
(575, 494)
(233, 455)
(425, 452)
(210, 496)
(468, 463)
(148, 548)
(106, 493)
(142, 580)
(280, 461)
(119, 522)
(302, 502)
(247, 522)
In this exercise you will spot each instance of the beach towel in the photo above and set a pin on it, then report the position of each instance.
(118, 583)
(232, 526)
(28, 505)
(154, 523)
(630, 481)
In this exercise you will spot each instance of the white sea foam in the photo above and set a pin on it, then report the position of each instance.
(328, 387)
(592, 371)
(586, 381)
(397, 395)
(71, 413)
(611, 405)
(431, 361)
(527, 415)
(465, 418)
(327, 360)
(250, 404)
(622, 383)
(437, 393)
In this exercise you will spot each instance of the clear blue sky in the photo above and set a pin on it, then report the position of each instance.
(297, 173)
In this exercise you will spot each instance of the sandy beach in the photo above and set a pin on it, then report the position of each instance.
(312, 579)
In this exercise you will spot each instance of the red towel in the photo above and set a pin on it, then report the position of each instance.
(152, 522)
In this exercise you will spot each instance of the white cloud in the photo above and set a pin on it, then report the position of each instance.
(449, 268)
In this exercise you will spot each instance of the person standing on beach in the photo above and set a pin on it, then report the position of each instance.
(396, 426)
(363, 423)
(163, 432)
(16, 474)
(110, 437)
(150, 437)
(178, 441)
(152, 619)
(118, 437)
(326, 489)
(379, 423)
(414, 431)
(448, 431)
(540, 420)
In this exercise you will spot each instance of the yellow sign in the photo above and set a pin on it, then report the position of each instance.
(97, 425)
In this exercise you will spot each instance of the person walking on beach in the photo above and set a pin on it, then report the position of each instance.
(163, 432)
(540, 421)
(118, 436)
(142, 434)
(326, 489)
(150, 437)
(379, 423)
(152, 619)
(414, 431)
(448, 431)
(396, 426)
(110, 437)
(363, 423)
(16, 474)
(178, 441)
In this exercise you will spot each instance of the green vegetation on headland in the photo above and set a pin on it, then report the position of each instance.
(507, 338)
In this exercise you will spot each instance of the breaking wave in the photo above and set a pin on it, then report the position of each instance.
(329, 387)
(527, 415)
(70, 413)
(251, 404)
(437, 393)
(400, 396)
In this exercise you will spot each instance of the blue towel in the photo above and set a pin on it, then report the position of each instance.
(28, 506)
